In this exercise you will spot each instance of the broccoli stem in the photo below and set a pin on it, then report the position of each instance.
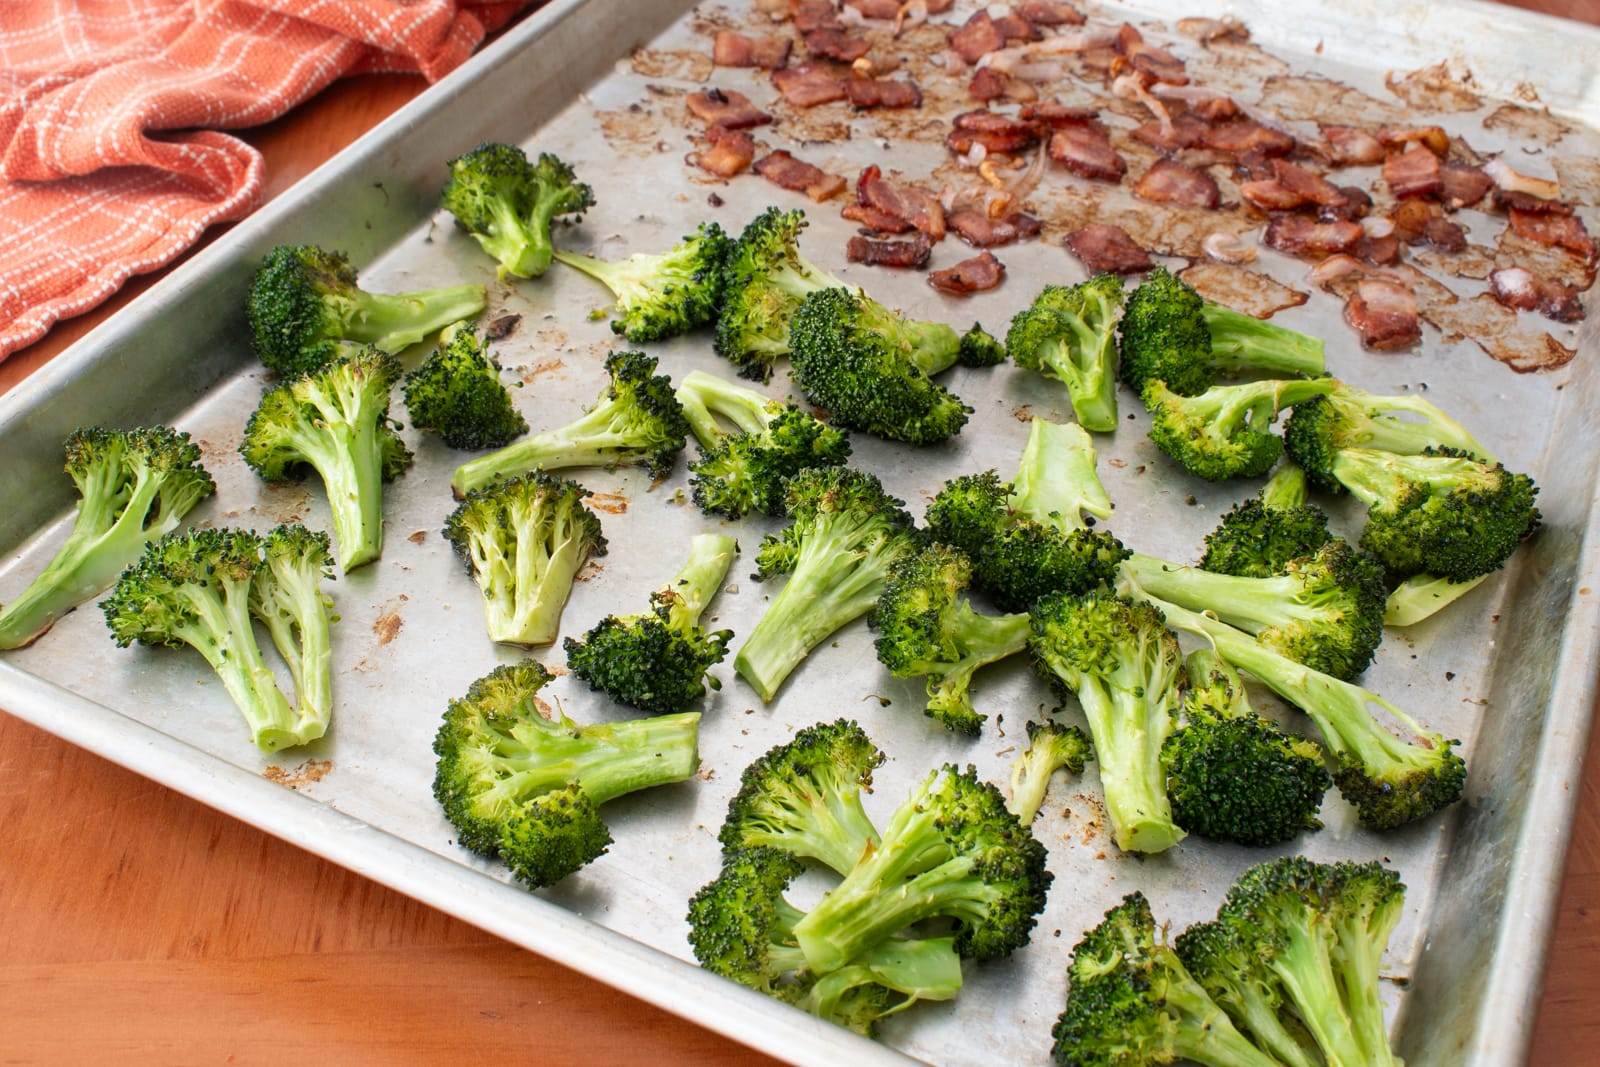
(1092, 386)
(1057, 481)
(1421, 597)
(1382, 479)
(704, 396)
(982, 640)
(523, 607)
(510, 241)
(1128, 734)
(607, 760)
(710, 556)
(628, 279)
(1285, 489)
(1242, 342)
(1360, 954)
(1381, 430)
(297, 620)
(349, 459)
(393, 321)
(598, 439)
(1204, 1033)
(1305, 967)
(220, 630)
(1252, 604)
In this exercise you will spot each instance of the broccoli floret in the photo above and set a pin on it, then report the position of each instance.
(1348, 417)
(288, 598)
(524, 783)
(1422, 596)
(979, 348)
(457, 394)
(306, 310)
(134, 486)
(871, 368)
(636, 420)
(1225, 432)
(524, 541)
(1233, 775)
(744, 470)
(804, 797)
(335, 421)
(844, 536)
(1325, 610)
(765, 279)
(888, 979)
(927, 628)
(193, 588)
(1122, 662)
(1030, 538)
(1259, 536)
(657, 662)
(508, 204)
(1222, 963)
(1070, 334)
(1132, 1003)
(1171, 334)
(1051, 747)
(664, 295)
(951, 850)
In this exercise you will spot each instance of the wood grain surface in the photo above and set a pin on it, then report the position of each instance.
(138, 926)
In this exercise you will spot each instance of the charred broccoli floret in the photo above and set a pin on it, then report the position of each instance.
(765, 279)
(979, 348)
(666, 294)
(457, 394)
(508, 204)
(287, 596)
(1070, 334)
(1348, 417)
(1259, 536)
(1051, 747)
(1223, 963)
(1224, 432)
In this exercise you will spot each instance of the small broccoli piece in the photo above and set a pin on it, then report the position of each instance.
(1259, 536)
(1171, 334)
(1221, 962)
(926, 628)
(193, 589)
(1122, 662)
(134, 487)
(1325, 610)
(657, 662)
(1422, 596)
(951, 850)
(804, 797)
(1225, 432)
(662, 295)
(524, 541)
(1030, 538)
(744, 470)
(1070, 334)
(508, 204)
(306, 310)
(844, 536)
(1348, 417)
(525, 786)
(335, 421)
(1132, 1003)
(765, 279)
(1233, 775)
(636, 420)
(1051, 747)
(980, 349)
(888, 979)
(288, 598)
(457, 394)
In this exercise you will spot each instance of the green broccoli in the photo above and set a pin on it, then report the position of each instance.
(524, 541)
(1259, 536)
(1223, 964)
(457, 394)
(1051, 747)
(306, 310)
(765, 279)
(287, 596)
(657, 662)
(844, 536)
(636, 420)
(979, 348)
(335, 421)
(1224, 432)
(1424, 595)
(508, 204)
(1070, 334)
(1171, 334)
(1348, 417)
(664, 295)
(134, 487)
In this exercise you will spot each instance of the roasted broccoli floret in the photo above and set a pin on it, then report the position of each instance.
(979, 348)
(636, 420)
(1424, 595)
(508, 204)
(927, 628)
(1132, 1003)
(888, 978)
(951, 850)
(657, 662)
(1259, 536)
(524, 784)
(804, 797)
(1225, 967)
(287, 596)
(134, 486)
(1226, 431)
(743, 470)
(1233, 775)
(306, 310)
(1171, 334)
(335, 421)
(1070, 334)
(1348, 417)
(457, 394)
(1122, 662)
(1051, 747)
(662, 295)
(765, 279)
(844, 536)
(1030, 538)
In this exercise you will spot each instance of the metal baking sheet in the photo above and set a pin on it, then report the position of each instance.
(1510, 670)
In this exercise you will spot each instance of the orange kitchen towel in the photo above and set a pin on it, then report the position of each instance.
(109, 160)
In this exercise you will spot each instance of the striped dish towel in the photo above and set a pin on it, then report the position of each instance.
(109, 160)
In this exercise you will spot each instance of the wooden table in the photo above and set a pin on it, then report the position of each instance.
(136, 924)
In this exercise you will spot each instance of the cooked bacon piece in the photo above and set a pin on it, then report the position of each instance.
(1414, 172)
(1558, 231)
(1242, 135)
(1302, 235)
(725, 108)
(876, 9)
(922, 210)
(1016, 28)
(785, 171)
(1270, 194)
(1186, 131)
(1049, 13)
(1257, 166)
(808, 85)
(1525, 291)
(875, 220)
(1432, 138)
(1384, 313)
(1085, 150)
(1461, 185)
(1510, 200)
(815, 15)
(977, 37)
(730, 152)
(1101, 246)
(1379, 251)
(973, 275)
(1444, 235)
(988, 84)
(1353, 203)
(1170, 182)
(1212, 106)
(1411, 217)
(996, 132)
(979, 230)
(1053, 113)
(1158, 63)
(1206, 30)
(912, 253)
(883, 92)
(836, 44)
(730, 49)
(1351, 146)
(1312, 187)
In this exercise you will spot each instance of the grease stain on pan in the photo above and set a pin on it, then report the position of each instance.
(1242, 290)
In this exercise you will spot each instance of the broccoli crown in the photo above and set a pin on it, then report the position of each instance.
(980, 349)
(1240, 778)
(1221, 961)
(663, 295)
(765, 279)
(1051, 747)
(507, 204)
(1348, 417)
(456, 393)
(553, 835)
(1223, 432)
(1069, 334)
(1258, 537)
(741, 927)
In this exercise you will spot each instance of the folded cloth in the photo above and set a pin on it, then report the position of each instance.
(109, 160)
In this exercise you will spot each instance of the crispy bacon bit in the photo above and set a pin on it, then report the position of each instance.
(730, 49)
(1384, 313)
(922, 210)
(1242, 135)
(876, 9)
(1444, 235)
(1207, 104)
(912, 253)
(1101, 246)
(1414, 172)
(1433, 138)
(1353, 203)
(1534, 205)
(836, 44)
(1049, 13)
(977, 37)
(1158, 63)
(1301, 235)
(815, 15)
(979, 230)
(1253, 165)
(1016, 28)
(783, 170)
(1510, 180)
(973, 275)
(1525, 291)
(1207, 30)
(730, 152)
(875, 220)
(1185, 131)
(1411, 217)
(1085, 150)
(1312, 187)
(1462, 185)
(988, 84)
(1350, 146)
(1055, 114)
(1380, 251)
(883, 92)
(996, 132)
(1557, 231)
(1170, 182)
(808, 85)
(725, 108)
(1270, 194)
